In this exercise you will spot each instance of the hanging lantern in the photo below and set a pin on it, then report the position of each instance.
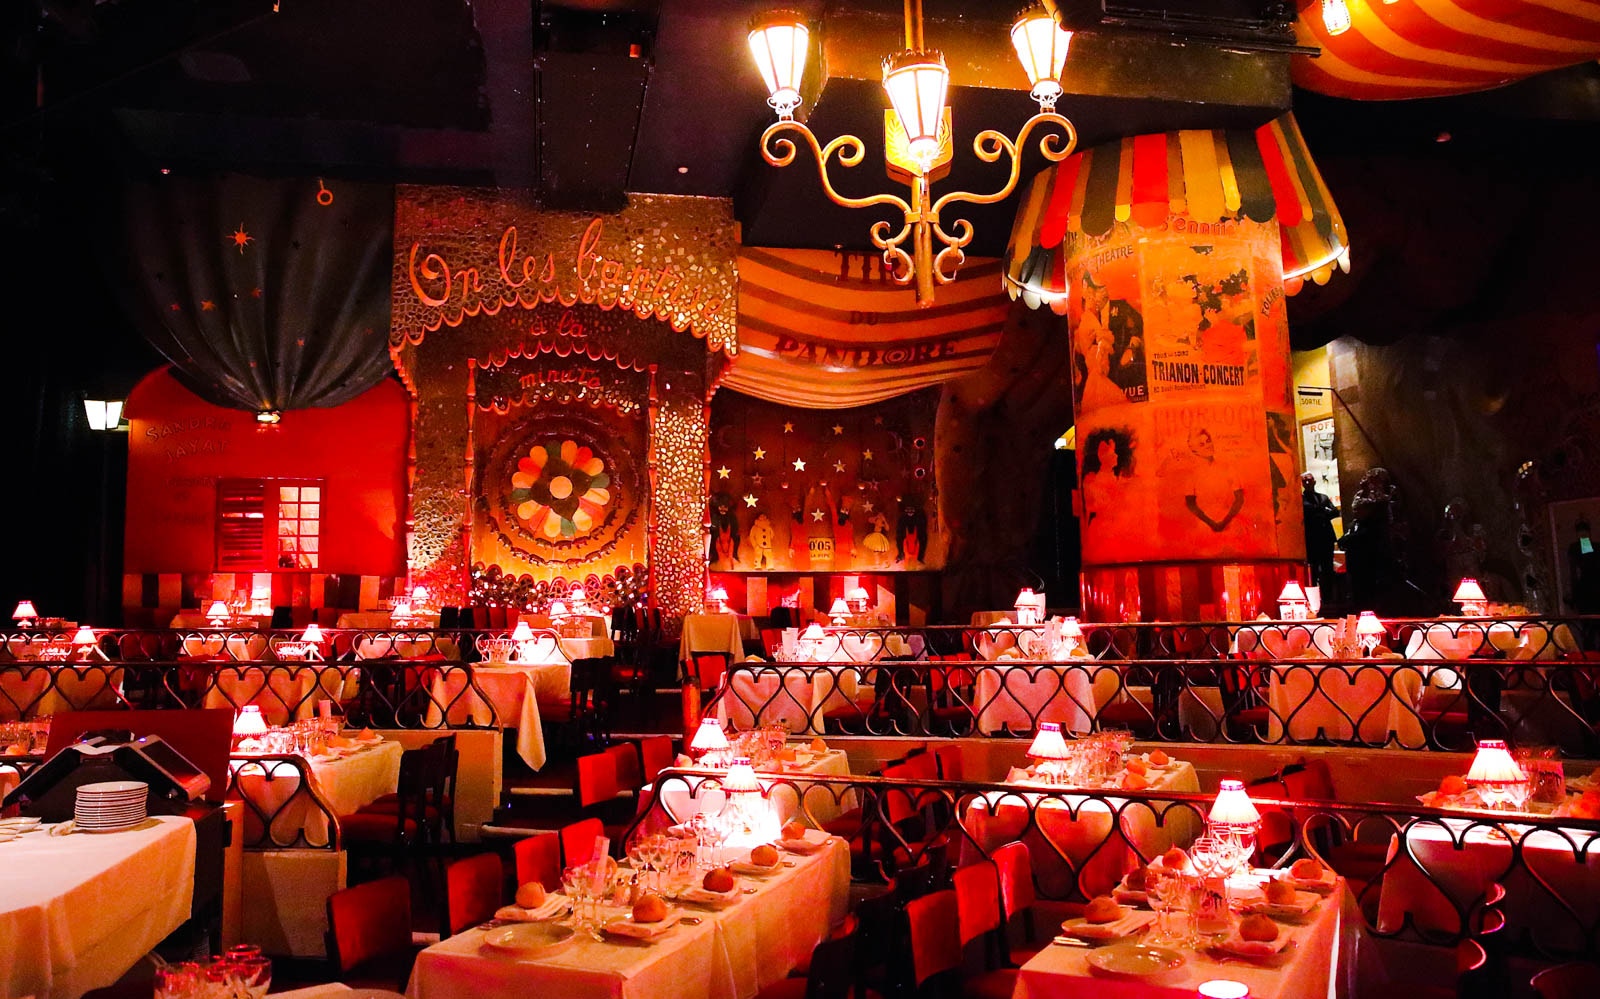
(1041, 45)
(916, 83)
(778, 42)
(1335, 16)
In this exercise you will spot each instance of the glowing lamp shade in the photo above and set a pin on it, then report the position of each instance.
(1493, 765)
(813, 632)
(402, 609)
(1368, 625)
(1222, 988)
(1335, 16)
(249, 724)
(741, 778)
(1469, 592)
(558, 609)
(419, 595)
(778, 44)
(1071, 629)
(1292, 590)
(1233, 806)
(522, 633)
(1048, 744)
(84, 636)
(103, 414)
(24, 611)
(1041, 46)
(840, 611)
(917, 83)
(312, 634)
(217, 612)
(709, 738)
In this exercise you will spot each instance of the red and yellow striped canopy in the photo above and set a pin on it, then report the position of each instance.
(1208, 176)
(1432, 48)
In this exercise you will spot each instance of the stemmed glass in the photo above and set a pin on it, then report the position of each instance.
(1162, 890)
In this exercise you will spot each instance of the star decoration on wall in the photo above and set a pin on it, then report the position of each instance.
(208, 306)
(816, 514)
(799, 464)
(867, 454)
(866, 506)
(755, 480)
(749, 499)
(240, 237)
(722, 473)
(877, 421)
(788, 428)
(838, 466)
(838, 428)
(761, 452)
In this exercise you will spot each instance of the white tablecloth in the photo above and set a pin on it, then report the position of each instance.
(711, 633)
(406, 646)
(512, 689)
(1085, 838)
(240, 648)
(731, 954)
(1483, 858)
(1309, 695)
(346, 784)
(681, 802)
(1017, 692)
(78, 911)
(1284, 639)
(39, 689)
(283, 691)
(809, 690)
(1306, 971)
(1524, 640)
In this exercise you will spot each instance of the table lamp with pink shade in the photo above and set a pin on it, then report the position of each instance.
(749, 816)
(558, 610)
(1293, 605)
(857, 598)
(85, 644)
(709, 742)
(1499, 780)
(717, 600)
(839, 612)
(1473, 601)
(312, 634)
(1050, 749)
(1233, 819)
(24, 615)
(248, 728)
(1369, 631)
(217, 614)
(811, 641)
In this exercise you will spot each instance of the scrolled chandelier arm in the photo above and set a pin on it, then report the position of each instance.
(916, 80)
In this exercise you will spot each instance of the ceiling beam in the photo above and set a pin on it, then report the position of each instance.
(505, 28)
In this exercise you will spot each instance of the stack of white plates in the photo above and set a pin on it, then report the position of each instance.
(111, 805)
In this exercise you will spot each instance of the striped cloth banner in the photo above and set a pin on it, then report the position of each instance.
(1208, 177)
(1432, 48)
(826, 330)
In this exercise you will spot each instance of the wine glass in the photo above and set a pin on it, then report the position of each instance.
(254, 974)
(1159, 890)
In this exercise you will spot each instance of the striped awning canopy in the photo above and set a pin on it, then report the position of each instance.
(826, 330)
(1396, 49)
(1207, 176)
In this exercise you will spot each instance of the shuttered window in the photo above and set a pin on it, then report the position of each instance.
(266, 524)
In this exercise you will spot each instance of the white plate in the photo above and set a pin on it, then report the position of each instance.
(114, 786)
(745, 867)
(625, 926)
(24, 823)
(709, 899)
(555, 904)
(1131, 960)
(1131, 921)
(528, 938)
(1255, 949)
(803, 846)
(1304, 902)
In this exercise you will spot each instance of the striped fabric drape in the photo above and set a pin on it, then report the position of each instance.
(825, 330)
(1208, 178)
(1432, 48)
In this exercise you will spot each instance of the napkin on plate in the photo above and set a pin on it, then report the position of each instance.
(709, 899)
(1132, 922)
(1241, 947)
(554, 905)
(624, 926)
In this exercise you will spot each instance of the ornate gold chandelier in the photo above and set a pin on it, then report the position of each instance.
(917, 143)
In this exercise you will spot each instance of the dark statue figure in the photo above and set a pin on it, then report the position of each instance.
(911, 534)
(724, 553)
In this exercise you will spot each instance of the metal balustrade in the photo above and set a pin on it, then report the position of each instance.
(274, 819)
(1083, 840)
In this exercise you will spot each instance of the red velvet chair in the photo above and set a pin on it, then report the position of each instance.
(655, 752)
(473, 890)
(1014, 865)
(577, 842)
(934, 923)
(1575, 980)
(830, 974)
(629, 765)
(538, 858)
(948, 756)
(977, 888)
(369, 933)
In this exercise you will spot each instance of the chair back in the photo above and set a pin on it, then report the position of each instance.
(630, 770)
(656, 755)
(935, 935)
(472, 891)
(597, 779)
(977, 888)
(881, 942)
(709, 668)
(538, 858)
(918, 881)
(772, 640)
(1015, 866)
(832, 971)
(1472, 972)
(948, 756)
(577, 842)
(1574, 980)
(369, 922)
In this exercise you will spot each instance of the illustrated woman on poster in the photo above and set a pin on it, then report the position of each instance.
(1107, 469)
(1213, 494)
(1097, 349)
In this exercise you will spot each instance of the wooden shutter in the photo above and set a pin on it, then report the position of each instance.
(241, 524)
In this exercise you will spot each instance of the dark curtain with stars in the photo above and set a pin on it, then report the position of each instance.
(264, 294)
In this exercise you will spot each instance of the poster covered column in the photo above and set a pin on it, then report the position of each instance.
(1184, 419)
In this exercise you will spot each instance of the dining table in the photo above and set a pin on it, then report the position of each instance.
(506, 694)
(1090, 840)
(1019, 693)
(1304, 969)
(1379, 699)
(345, 782)
(78, 910)
(284, 692)
(711, 632)
(729, 953)
(38, 689)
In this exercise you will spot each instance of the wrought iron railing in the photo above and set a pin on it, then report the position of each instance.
(379, 693)
(1376, 703)
(1416, 873)
(282, 807)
